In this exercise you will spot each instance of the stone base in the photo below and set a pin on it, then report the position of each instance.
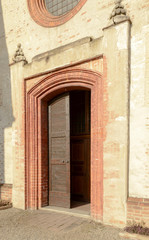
(137, 210)
(6, 192)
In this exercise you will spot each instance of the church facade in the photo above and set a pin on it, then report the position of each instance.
(74, 106)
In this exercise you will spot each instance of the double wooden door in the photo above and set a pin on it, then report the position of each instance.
(69, 149)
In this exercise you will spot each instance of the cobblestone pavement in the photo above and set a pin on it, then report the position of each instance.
(42, 225)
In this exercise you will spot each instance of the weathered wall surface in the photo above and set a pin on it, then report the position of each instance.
(89, 21)
(6, 115)
(115, 142)
(139, 115)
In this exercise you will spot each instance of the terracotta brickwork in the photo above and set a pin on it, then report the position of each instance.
(138, 210)
(40, 14)
(6, 192)
(37, 158)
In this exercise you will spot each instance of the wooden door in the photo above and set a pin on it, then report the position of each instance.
(59, 152)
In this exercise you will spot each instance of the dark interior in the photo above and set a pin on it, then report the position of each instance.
(80, 146)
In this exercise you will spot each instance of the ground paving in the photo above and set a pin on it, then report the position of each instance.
(45, 225)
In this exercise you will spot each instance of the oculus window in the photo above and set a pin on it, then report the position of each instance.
(60, 7)
(52, 13)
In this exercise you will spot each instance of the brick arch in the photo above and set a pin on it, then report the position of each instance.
(42, 17)
(37, 137)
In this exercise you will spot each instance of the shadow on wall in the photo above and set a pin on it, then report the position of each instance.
(6, 115)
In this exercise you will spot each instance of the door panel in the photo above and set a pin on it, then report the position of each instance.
(59, 152)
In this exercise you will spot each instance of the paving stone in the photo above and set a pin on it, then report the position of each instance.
(41, 225)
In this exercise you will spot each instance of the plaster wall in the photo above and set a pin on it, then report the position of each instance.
(139, 115)
(115, 142)
(6, 113)
(89, 21)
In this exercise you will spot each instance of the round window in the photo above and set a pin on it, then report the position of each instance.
(51, 13)
(60, 7)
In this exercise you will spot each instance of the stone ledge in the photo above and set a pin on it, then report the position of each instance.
(62, 48)
(65, 56)
(6, 185)
(133, 236)
(135, 199)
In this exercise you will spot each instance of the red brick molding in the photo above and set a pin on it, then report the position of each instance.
(37, 134)
(41, 16)
(138, 210)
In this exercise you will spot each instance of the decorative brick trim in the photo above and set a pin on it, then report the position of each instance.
(41, 16)
(138, 210)
(36, 134)
(6, 192)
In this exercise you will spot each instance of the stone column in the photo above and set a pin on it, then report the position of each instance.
(116, 48)
(18, 138)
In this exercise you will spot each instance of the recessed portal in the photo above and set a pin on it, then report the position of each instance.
(39, 190)
(69, 149)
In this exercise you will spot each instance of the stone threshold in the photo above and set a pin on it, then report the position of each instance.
(133, 236)
(70, 211)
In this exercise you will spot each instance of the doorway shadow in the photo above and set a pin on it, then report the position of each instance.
(80, 207)
(6, 113)
(75, 204)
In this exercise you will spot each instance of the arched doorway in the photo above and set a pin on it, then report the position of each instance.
(69, 149)
(36, 134)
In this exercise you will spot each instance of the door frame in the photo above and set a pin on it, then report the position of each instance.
(36, 139)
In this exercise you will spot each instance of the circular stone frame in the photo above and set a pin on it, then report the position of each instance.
(41, 15)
